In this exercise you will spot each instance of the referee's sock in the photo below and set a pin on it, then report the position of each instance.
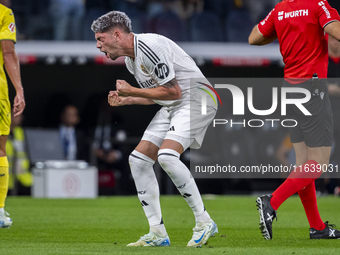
(185, 183)
(3, 180)
(308, 199)
(300, 178)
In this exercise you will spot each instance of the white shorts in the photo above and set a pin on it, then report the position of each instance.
(181, 125)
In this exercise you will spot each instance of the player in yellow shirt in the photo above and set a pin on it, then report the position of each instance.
(9, 60)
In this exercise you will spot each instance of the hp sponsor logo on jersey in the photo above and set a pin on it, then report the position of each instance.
(293, 14)
(162, 70)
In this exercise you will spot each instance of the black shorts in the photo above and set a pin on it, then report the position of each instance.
(315, 130)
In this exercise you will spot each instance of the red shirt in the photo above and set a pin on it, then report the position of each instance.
(299, 25)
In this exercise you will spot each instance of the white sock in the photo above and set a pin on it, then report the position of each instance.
(183, 180)
(159, 230)
(2, 210)
(147, 189)
(204, 217)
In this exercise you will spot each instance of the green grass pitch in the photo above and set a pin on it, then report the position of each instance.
(105, 225)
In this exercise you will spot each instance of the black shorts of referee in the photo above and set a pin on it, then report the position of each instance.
(315, 130)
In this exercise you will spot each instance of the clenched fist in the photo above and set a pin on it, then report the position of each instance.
(115, 100)
(123, 88)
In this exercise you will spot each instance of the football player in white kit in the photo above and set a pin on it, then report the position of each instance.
(163, 71)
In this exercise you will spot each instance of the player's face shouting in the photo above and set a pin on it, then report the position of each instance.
(107, 43)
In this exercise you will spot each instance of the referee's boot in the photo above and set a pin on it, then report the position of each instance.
(329, 232)
(267, 215)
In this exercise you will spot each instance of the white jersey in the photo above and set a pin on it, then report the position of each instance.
(157, 61)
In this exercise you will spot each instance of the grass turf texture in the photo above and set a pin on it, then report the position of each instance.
(107, 225)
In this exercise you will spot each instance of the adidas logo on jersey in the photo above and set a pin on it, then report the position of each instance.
(172, 128)
(293, 14)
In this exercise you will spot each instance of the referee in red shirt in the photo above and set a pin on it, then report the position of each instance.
(300, 27)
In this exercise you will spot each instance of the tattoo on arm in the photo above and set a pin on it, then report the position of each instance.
(170, 84)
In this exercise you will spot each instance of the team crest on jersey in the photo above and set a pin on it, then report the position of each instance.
(11, 27)
(143, 69)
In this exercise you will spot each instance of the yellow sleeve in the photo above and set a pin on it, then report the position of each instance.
(8, 29)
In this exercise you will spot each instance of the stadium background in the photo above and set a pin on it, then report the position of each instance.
(55, 74)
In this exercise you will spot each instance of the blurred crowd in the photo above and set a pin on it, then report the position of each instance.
(180, 20)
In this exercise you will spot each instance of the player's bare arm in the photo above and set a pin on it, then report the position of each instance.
(256, 38)
(115, 100)
(12, 66)
(168, 91)
(333, 29)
